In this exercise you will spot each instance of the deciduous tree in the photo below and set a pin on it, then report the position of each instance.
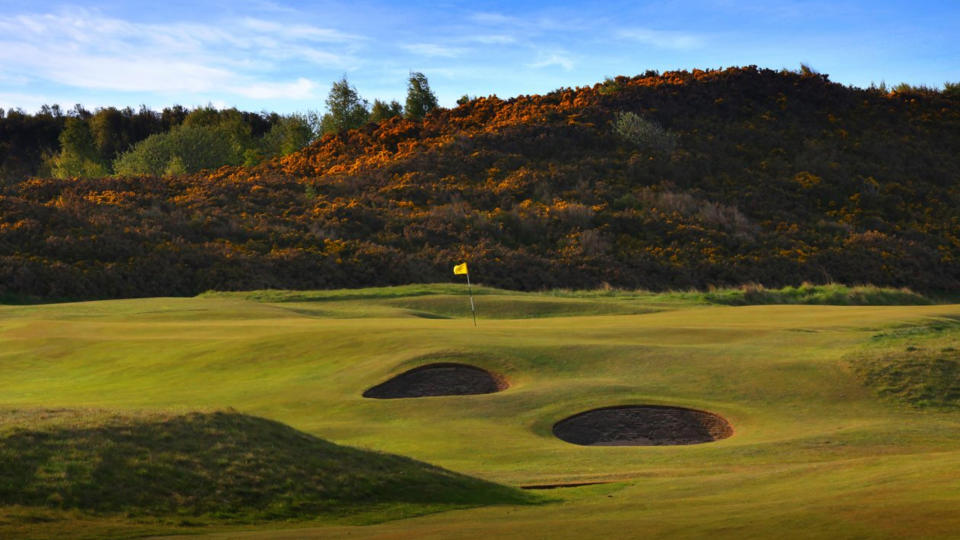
(382, 110)
(78, 152)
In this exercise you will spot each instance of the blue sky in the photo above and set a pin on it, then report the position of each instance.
(282, 56)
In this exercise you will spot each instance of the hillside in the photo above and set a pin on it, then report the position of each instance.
(756, 176)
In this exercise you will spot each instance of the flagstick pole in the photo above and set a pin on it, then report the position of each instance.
(472, 307)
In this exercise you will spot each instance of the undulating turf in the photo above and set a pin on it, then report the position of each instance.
(816, 451)
(211, 465)
(751, 294)
(918, 364)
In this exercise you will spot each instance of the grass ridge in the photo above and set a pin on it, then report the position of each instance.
(747, 294)
(213, 465)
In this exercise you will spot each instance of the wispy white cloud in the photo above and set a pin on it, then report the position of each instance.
(86, 50)
(530, 25)
(559, 59)
(313, 55)
(299, 89)
(298, 31)
(490, 39)
(10, 79)
(432, 49)
(226, 52)
(795, 9)
(27, 102)
(663, 39)
(273, 7)
(490, 18)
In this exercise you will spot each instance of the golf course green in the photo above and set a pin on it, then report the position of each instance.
(845, 418)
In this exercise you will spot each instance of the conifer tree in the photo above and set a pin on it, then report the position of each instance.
(420, 99)
(346, 109)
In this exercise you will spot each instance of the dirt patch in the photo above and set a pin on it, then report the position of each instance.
(445, 379)
(642, 425)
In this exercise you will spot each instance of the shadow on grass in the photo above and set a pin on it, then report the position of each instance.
(221, 465)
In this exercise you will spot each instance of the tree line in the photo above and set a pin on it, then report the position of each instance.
(82, 143)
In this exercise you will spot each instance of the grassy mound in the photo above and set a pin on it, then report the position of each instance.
(221, 465)
(369, 293)
(921, 378)
(917, 364)
(445, 300)
(832, 294)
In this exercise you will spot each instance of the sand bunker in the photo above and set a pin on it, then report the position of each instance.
(642, 425)
(445, 379)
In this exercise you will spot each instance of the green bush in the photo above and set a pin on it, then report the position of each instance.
(184, 149)
(643, 133)
(288, 134)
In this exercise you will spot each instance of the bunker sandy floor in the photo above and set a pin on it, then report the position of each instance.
(642, 425)
(444, 379)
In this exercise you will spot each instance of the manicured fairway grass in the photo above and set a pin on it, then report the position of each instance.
(815, 453)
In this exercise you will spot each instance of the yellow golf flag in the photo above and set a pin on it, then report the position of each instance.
(460, 269)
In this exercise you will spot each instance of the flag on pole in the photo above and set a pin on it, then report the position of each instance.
(461, 269)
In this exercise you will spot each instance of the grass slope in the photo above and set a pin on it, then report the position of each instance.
(222, 464)
(917, 365)
(445, 300)
(204, 467)
(673, 180)
(815, 451)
